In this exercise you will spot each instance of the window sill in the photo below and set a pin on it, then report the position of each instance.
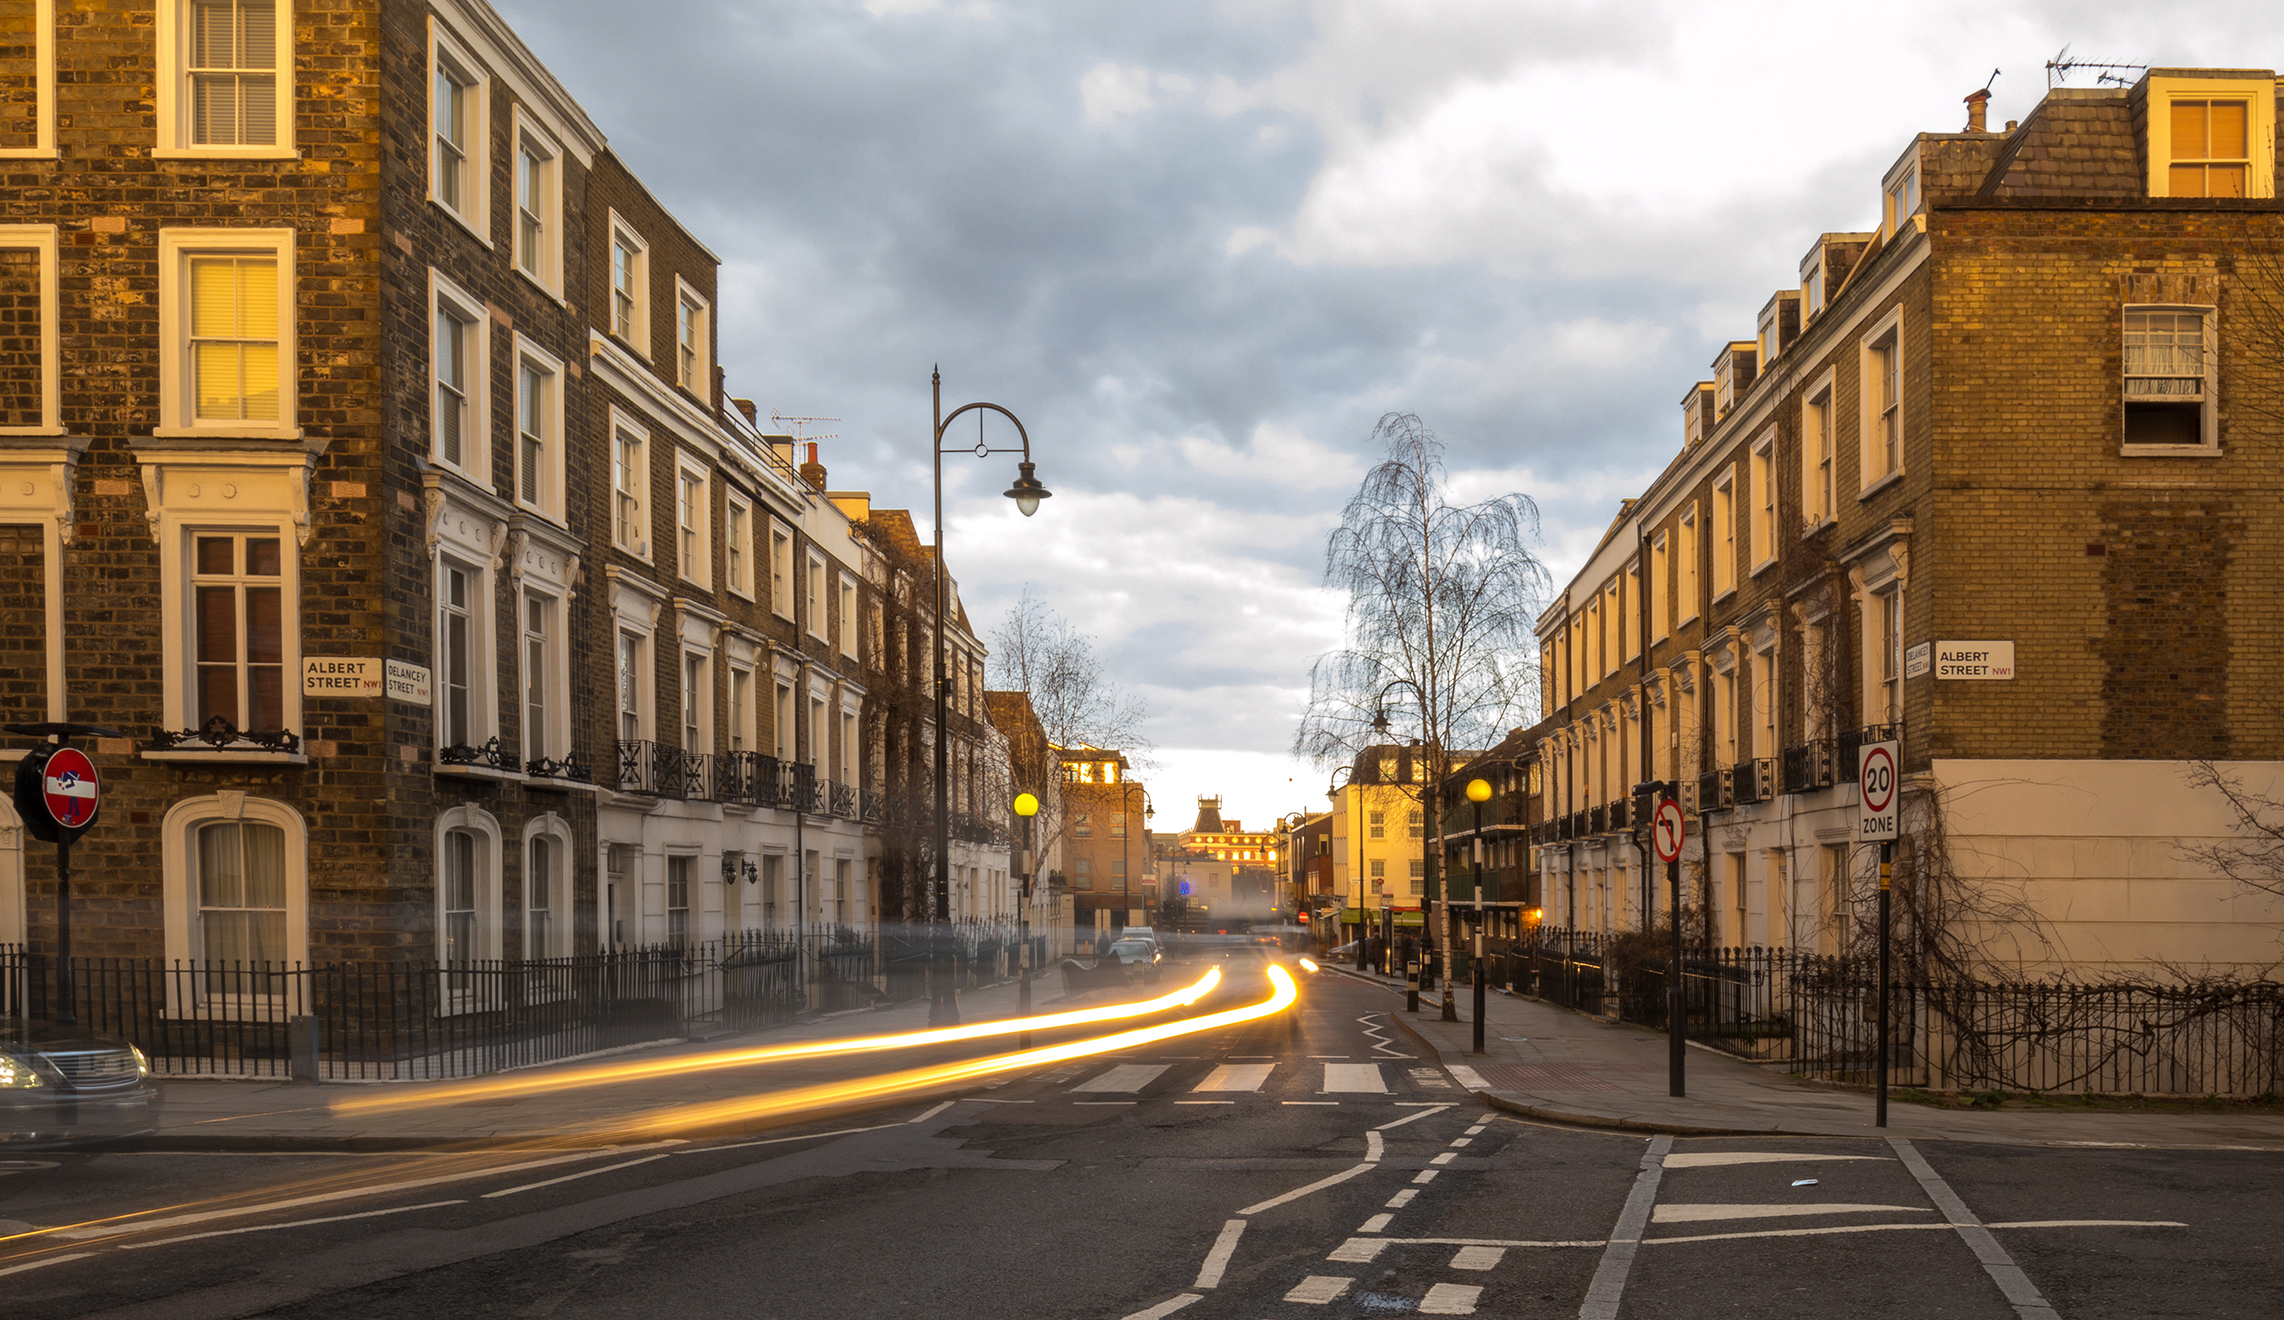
(1763, 566)
(2168, 451)
(224, 153)
(28, 153)
(548, 516)
(465, 223)
(535, 282)
(225, 757)
(1723, 594)
(1822, 524)
(1882, 484)
(224, 432)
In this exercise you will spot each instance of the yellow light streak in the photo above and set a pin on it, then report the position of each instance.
(1310, 964)
(607, 1073)
(829, 1094)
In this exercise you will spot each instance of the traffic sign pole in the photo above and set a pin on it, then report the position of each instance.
(1879, 1103)
(57, 796)
(1666, 830)
(1879, 820)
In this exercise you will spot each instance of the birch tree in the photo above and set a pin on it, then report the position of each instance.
(1441, 601)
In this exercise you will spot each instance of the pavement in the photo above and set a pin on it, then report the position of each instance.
(1556, 1064)
(272, 1114)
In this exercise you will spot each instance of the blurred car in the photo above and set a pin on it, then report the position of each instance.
(65, 1084)
(1136, 956)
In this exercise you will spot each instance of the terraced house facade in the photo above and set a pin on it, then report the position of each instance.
(366, 463)
(1992, 479)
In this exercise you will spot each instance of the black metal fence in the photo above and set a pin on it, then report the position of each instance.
(1818, 1015)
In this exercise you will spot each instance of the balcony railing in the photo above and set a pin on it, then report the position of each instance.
(1852, 742)
(1752, 781)
(489, 756)
(568, 767)
(844, 800)
(1621, 815)
(1713, 791)
(658, 770)
(870, 806)
(219, 735)
(1808, 766)
(1598, 820)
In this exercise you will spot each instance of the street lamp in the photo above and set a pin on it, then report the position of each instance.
(1478, 792)
(1026, 806)
(943, 1009)
(1126, 833)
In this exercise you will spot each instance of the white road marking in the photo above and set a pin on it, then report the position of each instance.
(932, 1112)
(1105, 1102)
(2090, 1223)
(1299, 1192)
(573, 1177)
(1450, 1299)
(298, 1223)
(1478, 1258)
(1445, 1158)
(1826, 1230)
(1430, 1077)
(1618, 1257)
(1469, 1078)
(1376, 1224)
(1477, 1129)
(1402, 1198)
(1334, 1103)
(1463, 1141)
(1411, 1118)
(1427, 1175)
(1318, 1289)
(1354, 1077)
(1124, 1077)
(1167, 1307)
(2020, 1292)
(1381, 1040)
(1217, 1260)
(1698, 1214)
(1359, 1250)
(117, 1228)
(1422, 1104)
(43, 1264)
(1235, 1077)
(1721, 1158)
(1328, 1056)
(1375, 1145)
(1366, 1249)
(1205, 1102)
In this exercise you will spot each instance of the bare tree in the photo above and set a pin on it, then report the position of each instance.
(1441, 601)
(1035, 651)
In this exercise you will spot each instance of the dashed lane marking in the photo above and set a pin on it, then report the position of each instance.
(1217, 1260)
(44, 1263)
(1376, 1224)
(1450, 1299)
(1318, 1289)
(573, 1177)
(1167, 1307)
(1478, 1258)
(1445, 1158)
(298, 1223)
(932, 1112)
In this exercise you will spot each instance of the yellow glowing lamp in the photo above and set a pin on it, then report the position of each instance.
(1478, 790)
(1026, 805)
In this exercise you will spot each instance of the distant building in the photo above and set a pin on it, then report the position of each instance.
(1105, 840)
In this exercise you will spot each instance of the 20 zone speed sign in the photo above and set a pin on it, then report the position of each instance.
(1665, 830)
(1876, 821)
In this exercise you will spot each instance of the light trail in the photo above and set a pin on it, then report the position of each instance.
(831, 1094)
(608, 1073)
(1310, 964)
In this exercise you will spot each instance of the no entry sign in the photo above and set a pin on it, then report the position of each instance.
(70, 790)
(1877, 820)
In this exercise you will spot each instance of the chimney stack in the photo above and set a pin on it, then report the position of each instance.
(813, 471)
(752, 414)
(1978, 103)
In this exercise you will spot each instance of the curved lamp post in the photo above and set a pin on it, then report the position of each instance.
(1149, 811)
(1026, 806)
(1478, 792)
(943, 1009)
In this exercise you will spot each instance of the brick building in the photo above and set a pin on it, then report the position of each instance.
(1991, 479)
(368, 465)
(1106, 840)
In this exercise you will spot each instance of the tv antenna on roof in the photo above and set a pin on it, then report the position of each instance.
(798, 422)
(2058, 69)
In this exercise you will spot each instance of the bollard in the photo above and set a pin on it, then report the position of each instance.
(301, 1039)
(1412, 986)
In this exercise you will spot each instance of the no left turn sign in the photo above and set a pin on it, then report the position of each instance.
(1666, 831)
(1877, 820)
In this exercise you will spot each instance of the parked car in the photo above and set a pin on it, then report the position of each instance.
(61, 1084)
(1138, 956)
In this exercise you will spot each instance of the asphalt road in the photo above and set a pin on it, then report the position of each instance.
(1304, 1166)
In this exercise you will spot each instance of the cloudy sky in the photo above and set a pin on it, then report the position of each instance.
(1200, 247)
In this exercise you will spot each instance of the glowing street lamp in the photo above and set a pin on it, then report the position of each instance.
(1478, 792)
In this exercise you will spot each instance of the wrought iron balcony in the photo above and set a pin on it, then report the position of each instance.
(489, 756)
(1852, 742)
(1808, 766)
(1597, 820)
(569, 768)
(650, 768)
(220, 735)
(1712, 791)
(870, 806)
(844, 800)
(1622, 814)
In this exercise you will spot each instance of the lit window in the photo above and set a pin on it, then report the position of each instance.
(234, 338)
(236, 584)
(2211, 155)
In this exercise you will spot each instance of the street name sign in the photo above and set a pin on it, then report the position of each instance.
(1974, 660)
(1666, 830)
(340, 676)
(408, 683)
(1877, 817)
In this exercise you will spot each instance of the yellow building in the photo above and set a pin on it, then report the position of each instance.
(1379, 836)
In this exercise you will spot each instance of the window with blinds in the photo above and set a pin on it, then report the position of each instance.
(2211, 154)
(534, 459)
(233, 73)
(449, 116)
(234, 337)
(539, 740)
(2165, 376)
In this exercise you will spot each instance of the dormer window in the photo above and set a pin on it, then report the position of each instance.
(2211, 154)
(1902, 199)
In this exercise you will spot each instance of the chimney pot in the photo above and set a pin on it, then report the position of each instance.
(1978, 103)
(813, 471)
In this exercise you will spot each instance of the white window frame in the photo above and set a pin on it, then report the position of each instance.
(177, 863)
(475, 462)
(637, 337)
(483, 661)
(693, 522)
(1661, 579)
(486, 944)
(1870, 431)
(848, 613)
(173, 81)
(634, 687)
(1688, 588)
(41, 239)
(1763, 542)
(545, 266)
(553, 678)
(630, 532)
(177, 406)
(1725, 532)
(818, 624)
(475, 212)
(737, 543)
(1900, 196)
(557, 833)
(694, 375)
(44, 83)
(784, 725)
(695, 722)
(742, 689)
(1819, 452)
(2208, 422)
(182, 702)
(846, 760)
(551, 503)
(2259, 128)
(781, 586)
